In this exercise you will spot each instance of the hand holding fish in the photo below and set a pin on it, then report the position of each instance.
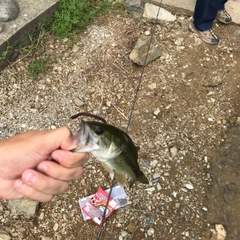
(25, 169)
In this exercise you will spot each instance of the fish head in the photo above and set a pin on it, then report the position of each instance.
(95, 137)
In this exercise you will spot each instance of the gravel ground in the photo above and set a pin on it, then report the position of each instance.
(187, 101)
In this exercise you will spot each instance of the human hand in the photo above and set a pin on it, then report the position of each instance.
(26, 169)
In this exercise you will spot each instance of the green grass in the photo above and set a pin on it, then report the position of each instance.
(75, 15)
(37, 66)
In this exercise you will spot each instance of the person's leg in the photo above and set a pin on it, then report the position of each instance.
(222, 4)
(205, 13)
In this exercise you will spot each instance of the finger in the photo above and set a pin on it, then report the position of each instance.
(69, 159)
(7, 191)
(59, 172)
(31, 193)
(43, 183)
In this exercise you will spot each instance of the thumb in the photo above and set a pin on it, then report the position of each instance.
(60, 138)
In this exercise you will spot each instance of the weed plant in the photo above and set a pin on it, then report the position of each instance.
(37, 66)
(75, 15)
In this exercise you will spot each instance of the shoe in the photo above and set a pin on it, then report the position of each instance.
(207, 36)
(224, 17)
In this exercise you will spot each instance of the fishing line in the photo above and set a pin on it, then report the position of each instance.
(129, 120)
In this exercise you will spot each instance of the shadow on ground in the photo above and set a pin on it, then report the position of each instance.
(225, 193)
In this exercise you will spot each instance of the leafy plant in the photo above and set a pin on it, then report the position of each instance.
(75, 15)
(37, 66)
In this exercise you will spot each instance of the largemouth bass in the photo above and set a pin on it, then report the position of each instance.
(113, 147)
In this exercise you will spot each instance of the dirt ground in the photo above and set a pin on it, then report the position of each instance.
(188, 101)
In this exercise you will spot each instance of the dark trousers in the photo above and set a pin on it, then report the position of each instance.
(205, 13)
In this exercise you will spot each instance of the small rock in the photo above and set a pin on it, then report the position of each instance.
(157, 111)
(169, 221)
(108, 103)
(147, 33)
(78, 102)
(10, 93)
(150, 231)
(156, 175)
(150, 190)
(154, 163)
(204, 209)
(131, 227)
(152, 86)
(173, 151)
(55, 227)
(124, 233)
(237, 33)
(177, 205)
(75, 48)
(159, 187)
(189, 186)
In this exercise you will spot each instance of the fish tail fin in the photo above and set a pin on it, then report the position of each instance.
(142, 178)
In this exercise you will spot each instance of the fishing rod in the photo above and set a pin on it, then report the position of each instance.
(129, 122)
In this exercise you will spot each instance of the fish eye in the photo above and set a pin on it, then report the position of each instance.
(99, 131)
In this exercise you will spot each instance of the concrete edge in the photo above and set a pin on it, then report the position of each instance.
(21, 37)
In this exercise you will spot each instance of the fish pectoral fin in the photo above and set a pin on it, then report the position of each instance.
(121, 178)
(107, 167)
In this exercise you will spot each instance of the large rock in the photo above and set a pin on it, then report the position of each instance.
(24, 207)
(140, 50)
(135, 7)
(151, 11)
(9, 10)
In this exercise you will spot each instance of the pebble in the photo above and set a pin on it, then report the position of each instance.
(204, 209)
(152, 86)
(156, 175)
(78, 102)
(189, 186)
(124, 233)
(150, 190)
(157, 111)
(237, 33)
(131, 227)
(150, 231)
(55, 227)
(173, 151)
(154, 163)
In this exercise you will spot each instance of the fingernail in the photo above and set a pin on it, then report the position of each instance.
(30, 178)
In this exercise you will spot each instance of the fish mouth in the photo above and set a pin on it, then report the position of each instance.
(83, 138)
